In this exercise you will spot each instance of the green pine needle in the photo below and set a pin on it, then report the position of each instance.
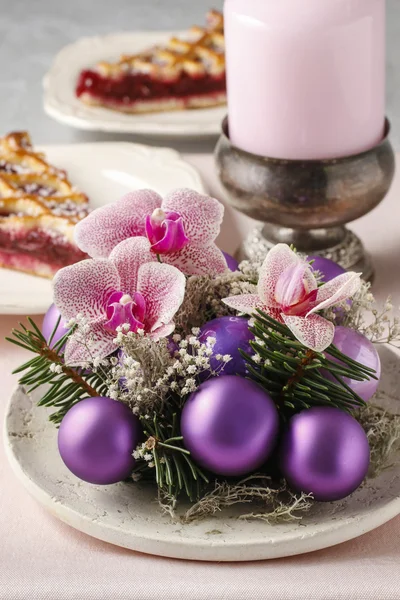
(293, 374)
(66, 388)
(175, 471)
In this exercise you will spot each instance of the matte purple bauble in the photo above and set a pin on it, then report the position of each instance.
(328, 269)
(49, 322)
(232, 335)
(96, 439)
(230, 425)
(324, 451)
(172, 346)
(357, 347)
(232, 263)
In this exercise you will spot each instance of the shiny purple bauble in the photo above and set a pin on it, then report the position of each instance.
(328, 269)
(172, 346)
(96, 439)
(357, 347)
(49, 322)
(230, 425)
(232, 335)
(232, 263)
(324, 451)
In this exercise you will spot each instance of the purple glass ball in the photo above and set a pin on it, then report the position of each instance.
(49, 322)
(96, 439)
(230, 425)
(357, 347)
(232, 334)
(172, 346)
(232, 263)
(328, 269)
(324, 451)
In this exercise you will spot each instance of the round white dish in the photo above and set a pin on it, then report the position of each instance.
(61, 103)
(103, 171)
(128, 516)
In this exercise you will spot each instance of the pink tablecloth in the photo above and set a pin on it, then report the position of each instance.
(41, 558)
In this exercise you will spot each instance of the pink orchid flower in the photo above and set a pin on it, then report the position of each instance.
(182, 228)
(125, 288)
(288, 291)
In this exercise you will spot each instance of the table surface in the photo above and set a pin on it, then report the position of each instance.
(42, 558)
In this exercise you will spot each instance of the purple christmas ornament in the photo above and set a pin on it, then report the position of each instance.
(324, 451)
(172, 346)
(357, 347)
(328, 269)
(232, 335)
(49, 322)
(230, 425)
(96, 439)
(232, 263)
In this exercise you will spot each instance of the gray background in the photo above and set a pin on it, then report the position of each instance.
(33, 31)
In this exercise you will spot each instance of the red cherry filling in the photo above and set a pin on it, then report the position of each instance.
(135, 87)
(41, 245)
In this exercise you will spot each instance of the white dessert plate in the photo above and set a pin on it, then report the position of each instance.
(61, 102)
(128, 516)
(104, 171)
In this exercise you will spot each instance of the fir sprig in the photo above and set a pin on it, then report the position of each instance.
(66, 385)
(293, 374)
(174, 469)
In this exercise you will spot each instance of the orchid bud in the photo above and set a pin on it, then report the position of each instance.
(165, 232)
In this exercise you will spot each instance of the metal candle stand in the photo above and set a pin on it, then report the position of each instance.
(306, 202)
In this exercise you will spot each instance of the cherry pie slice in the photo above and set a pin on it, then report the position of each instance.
(183, 74)
(38, 210)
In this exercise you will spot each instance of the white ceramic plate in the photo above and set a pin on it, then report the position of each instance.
(104, 171)
(126, 515)
(61, 103)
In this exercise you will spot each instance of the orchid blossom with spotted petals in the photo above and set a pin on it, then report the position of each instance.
(288, 291)
(181, 229)
(128, 288)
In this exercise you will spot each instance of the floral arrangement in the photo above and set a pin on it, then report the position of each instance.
(219, 384)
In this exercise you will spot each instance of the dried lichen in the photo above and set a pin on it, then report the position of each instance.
(191, 313)
(273, 502)
(383, 432)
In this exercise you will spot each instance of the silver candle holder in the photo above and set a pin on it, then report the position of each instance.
(306, 203)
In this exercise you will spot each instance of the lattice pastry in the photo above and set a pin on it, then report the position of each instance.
(38, 210)
(185, 73)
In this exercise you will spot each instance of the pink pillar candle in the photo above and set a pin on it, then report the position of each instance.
(306, 78)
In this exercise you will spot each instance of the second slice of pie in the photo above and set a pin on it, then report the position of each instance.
(185, 73)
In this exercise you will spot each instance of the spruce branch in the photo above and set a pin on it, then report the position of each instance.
(175, 472)
(67, 385)
(294, 375)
